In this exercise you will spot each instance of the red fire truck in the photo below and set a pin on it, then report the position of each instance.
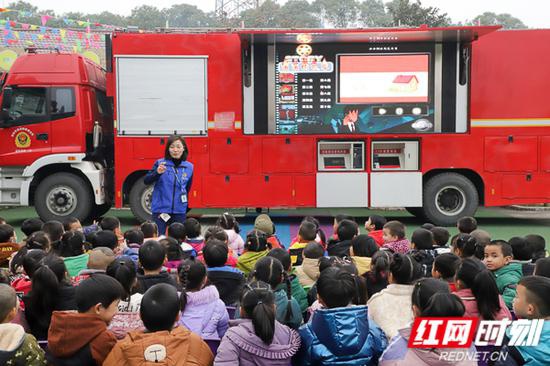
(439, 120)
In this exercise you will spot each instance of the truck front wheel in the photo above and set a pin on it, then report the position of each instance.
(448, 197)
(140, 200)
(63, 195)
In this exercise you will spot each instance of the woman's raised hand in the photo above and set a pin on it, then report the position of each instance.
(161, 168)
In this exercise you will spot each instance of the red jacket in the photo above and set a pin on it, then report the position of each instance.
(377, 236)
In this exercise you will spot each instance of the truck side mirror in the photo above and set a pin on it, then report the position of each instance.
(6, 102)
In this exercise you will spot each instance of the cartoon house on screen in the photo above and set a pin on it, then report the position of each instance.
(404, 83)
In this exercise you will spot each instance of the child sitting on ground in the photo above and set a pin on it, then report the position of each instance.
(228, 222)
(466, 224)
(444, 268)
(391, 308)
(152, 256)
(362, 249)
(150, 231)
(71, 249)
(263, 223)
(532, 302)
(228, 280)
(17, 347)
(466, 246)
(298, 291)
(542, 267)
(202, 310)
(216, 232)
(430, 298)
(322, 343)
(523, 254)
(394, 237)
(347, 230)
(82, 338)
(378, 276)
(422, 251)
(98, 261)
(176, 230)
(308, 272)
(538, 246)
(498, 259)
(174, 253)
(478, 290)
(270, 270)
(255, 247)
(193, 232)
(375, 228)
(441, 238)
(162, 341)
(306, 234)
(258, 338)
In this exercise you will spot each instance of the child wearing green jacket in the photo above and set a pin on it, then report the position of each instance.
(498, 259)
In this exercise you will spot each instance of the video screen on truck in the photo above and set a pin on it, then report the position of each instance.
(368, 79)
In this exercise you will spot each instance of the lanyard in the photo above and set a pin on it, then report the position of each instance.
(180, 182)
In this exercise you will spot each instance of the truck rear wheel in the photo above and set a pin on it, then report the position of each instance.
(448, 197)
(63, 195)
(140, 200)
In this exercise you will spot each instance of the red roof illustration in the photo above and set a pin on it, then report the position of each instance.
(404, 79)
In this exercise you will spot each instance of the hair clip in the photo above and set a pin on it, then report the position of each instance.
(260, 302)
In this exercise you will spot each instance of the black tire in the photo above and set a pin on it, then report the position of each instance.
(448, 197)
(63, 195)
(138, 199)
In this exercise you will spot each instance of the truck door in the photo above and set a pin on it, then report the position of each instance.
(25, 130)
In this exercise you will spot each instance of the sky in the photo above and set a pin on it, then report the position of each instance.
(533, 13)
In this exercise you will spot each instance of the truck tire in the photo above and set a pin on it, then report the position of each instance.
(448, 197)
(140, 200)
(63, 195)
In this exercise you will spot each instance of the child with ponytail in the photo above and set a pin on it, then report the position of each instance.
(204, 313)
(477, 288)
(229, 223)
(391, 307)
(50, 290)
(430, 298)
(255, 247)
(270, 270)
(258, 338)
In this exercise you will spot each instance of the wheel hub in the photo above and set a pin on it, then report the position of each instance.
(61, 201)
(450, 200)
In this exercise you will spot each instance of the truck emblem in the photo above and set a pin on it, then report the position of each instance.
(22, 140)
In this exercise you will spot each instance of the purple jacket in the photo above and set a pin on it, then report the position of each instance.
(241, 346)
(205, 314)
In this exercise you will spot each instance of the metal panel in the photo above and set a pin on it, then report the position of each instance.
(342, 189)
(395, 189)
(248, 99)
(438, 86)
(271, 123)
(162, 95)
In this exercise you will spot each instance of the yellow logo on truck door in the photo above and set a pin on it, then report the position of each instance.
(22, 140)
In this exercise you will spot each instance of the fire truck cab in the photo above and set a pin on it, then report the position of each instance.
(55, 128)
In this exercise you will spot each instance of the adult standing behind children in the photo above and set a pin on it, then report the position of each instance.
(172, 176)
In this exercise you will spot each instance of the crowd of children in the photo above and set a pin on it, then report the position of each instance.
(74, 295)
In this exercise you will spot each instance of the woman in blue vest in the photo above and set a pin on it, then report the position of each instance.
(172, 176)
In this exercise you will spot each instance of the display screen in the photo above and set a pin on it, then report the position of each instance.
(367, 79)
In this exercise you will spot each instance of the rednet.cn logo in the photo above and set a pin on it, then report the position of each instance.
(459, 332)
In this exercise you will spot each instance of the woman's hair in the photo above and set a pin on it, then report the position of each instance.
(191, 274)
(380, 265)
(170, 141)
(270, 270)
(258, 304)
(363, 246)
(475, 276)
(124, 271)
(468, 246)
(432, 297)
(228, 222)
(542, 267)
(45, 283)
(72, 244)
(405, 269)
(336, 287)
(256, 241)
(38, 240)
(446, 264)
(173, 249)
